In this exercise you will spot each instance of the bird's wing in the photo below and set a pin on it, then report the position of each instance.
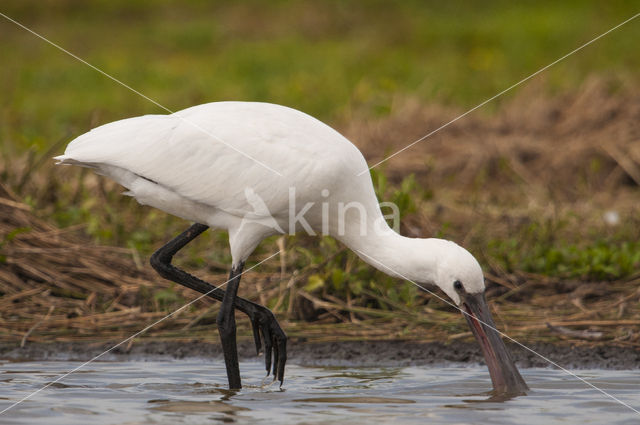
(212, 153)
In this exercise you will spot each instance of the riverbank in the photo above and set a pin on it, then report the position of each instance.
(388, 353)
(556, 231)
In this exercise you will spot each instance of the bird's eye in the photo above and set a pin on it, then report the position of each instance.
(457, 285)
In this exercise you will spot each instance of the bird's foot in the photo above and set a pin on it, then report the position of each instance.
(264, 324)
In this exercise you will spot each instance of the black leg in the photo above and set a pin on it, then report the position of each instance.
(262, 319)
(227, 328)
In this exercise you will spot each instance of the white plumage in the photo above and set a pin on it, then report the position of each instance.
(255, 169)
(198, 164)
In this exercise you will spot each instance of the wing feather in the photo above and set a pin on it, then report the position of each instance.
(206, 153)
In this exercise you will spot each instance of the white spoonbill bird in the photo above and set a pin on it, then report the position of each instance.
(258, 169)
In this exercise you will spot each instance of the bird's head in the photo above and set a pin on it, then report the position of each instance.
(458, 272)
(460, 276)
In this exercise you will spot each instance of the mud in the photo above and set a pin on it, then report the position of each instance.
(339, 353)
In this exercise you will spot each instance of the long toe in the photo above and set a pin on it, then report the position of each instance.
(268, 348)
(255, 324)
(276, 356)
(275, 342)
(282, 357)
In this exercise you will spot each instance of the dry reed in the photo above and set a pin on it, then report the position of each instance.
(541, 155)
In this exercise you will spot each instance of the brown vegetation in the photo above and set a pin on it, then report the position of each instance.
(575, 155)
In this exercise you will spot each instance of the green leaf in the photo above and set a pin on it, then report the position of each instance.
(314, 282)
(355, 287)
(337, 277)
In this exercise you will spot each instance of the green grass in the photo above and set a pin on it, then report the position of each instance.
(332, 59)
(601, 260)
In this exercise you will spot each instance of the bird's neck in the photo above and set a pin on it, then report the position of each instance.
(414, 259)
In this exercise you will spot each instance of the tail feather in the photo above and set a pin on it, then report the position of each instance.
(65, 160)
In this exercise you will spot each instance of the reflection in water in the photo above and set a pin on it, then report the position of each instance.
(180, 392)
(357, 400)
(184, 406)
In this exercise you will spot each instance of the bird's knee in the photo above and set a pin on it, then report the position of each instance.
(161, 265)
(156, 262)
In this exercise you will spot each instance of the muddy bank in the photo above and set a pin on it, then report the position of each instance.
(339, 353)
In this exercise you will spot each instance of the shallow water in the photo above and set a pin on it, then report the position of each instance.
(191, 391)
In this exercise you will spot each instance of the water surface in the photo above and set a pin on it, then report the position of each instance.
(191, 391)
